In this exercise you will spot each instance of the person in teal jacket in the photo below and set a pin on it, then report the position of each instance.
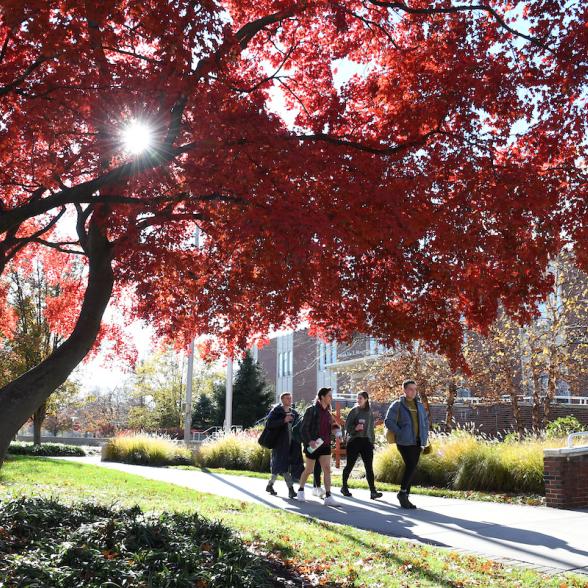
(408, 420)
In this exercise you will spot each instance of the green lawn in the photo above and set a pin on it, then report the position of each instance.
(528, 499)
(339, 555)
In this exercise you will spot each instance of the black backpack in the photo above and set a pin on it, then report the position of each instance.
(268, 437)
(297, 428)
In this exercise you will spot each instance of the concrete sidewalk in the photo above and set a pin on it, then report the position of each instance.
(539, 536)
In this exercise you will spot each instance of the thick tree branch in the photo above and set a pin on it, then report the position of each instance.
(30, 69)
(367, 148)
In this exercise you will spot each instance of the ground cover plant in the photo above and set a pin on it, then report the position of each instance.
(354, 558)
(46, 449)
(47, 543)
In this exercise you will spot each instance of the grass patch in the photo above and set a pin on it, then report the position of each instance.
(336, 554)
(144, 449)
(46, 449)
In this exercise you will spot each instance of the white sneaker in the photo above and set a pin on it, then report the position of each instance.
(330, 501)
(318, 492)
(300, 496)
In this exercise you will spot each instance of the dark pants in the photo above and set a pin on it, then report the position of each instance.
(356, 447)
(316, 475)
(410, 455)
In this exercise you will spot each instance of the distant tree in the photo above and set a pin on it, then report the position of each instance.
(252, 397)
(435, 378)
(32, 337)
(158, 392)
(204, 412)
(106, 412)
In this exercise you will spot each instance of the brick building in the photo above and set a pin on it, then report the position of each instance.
(298, 363)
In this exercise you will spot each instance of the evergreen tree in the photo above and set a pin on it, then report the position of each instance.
(252, 397)
(204, 412)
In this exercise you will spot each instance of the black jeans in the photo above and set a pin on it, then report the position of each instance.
(410, 455)
(356, 447)
(317, 474)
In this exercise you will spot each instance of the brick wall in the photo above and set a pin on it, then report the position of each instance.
(497, 418)
(304, 386)
(566, 478)
(267, 357)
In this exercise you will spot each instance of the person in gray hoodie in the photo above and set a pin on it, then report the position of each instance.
(361, 441)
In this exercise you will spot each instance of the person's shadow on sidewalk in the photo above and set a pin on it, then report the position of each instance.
(490, 531)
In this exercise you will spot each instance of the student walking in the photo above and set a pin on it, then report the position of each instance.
(281, 419)
(317, 489)
(361, 441)
(407, 419)
(316, 428)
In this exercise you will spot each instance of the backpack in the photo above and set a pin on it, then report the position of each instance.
(268, 437)
(297, 429)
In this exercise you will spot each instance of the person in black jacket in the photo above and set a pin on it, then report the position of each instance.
(281, 418)
(317, 425)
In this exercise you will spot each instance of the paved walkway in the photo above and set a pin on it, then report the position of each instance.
(540, 536)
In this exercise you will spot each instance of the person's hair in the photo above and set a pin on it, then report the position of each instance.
(285, 394)
(407, 383)
(322, 392)
(366, 396)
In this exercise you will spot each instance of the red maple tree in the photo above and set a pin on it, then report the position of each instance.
(432, 161)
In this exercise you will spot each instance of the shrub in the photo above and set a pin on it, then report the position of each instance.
(564, 426)
(46, 450)
(235, 451)
(144, 449)
(463, 461)
(46, 543)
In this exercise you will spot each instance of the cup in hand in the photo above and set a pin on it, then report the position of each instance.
(360, 424)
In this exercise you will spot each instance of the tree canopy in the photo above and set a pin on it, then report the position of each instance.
(384, 167)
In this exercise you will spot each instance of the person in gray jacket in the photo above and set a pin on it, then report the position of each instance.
(408, 420)
(361, 441)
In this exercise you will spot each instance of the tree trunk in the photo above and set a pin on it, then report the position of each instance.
(38, 419)
(516, 409)
(536, 414)
(22, 397)
(451, 393)
(551, 392)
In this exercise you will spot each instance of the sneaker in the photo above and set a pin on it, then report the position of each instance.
(403, 499)
(300, 496)
(345, 491)
(291, 493)
(318, 492)
(270, 488)
(375, 495)
(330, 501)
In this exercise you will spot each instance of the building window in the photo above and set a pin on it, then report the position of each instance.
(290, 363)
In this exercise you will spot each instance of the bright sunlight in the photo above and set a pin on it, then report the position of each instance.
(137, 137)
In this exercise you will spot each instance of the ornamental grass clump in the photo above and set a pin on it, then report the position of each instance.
(464, 461)
(46, 543)
(234, 451)
(146, 449)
